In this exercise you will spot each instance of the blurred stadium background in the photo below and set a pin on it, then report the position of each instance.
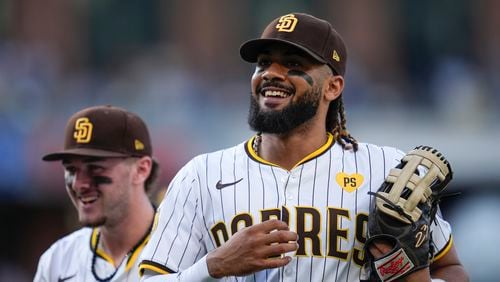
(419, 72)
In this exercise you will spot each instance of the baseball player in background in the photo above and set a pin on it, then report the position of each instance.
(291, 203)
(108, 169)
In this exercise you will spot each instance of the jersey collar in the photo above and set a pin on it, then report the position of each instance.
(251, 153)
(133, 254)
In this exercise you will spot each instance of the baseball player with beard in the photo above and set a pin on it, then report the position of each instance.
(292, 202)
(108, 169)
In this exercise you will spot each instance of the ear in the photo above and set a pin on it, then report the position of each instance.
(333, 87)
(143, 168)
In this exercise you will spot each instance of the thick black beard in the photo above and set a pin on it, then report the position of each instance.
(280, 122)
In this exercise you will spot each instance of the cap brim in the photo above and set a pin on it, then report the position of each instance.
(252, 48)
(83, 152)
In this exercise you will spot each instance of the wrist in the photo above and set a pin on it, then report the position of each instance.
(213, 265)
(419, 275)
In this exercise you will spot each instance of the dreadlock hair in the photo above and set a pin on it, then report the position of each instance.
(336, 124)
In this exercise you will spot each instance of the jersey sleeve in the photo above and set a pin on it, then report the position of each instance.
(176, 244)
(196, 272)
(43, 270)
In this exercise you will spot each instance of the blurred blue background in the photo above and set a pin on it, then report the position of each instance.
(419, 72)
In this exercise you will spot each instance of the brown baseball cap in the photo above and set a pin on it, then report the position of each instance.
(314, 36)
(104, 131)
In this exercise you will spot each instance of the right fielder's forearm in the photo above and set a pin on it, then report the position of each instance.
(197, 272)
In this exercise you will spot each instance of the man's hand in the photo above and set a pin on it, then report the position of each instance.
(252, 249)
(379, 248)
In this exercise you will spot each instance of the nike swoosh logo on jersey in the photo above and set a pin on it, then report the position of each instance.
(219, 185)
(65, 278)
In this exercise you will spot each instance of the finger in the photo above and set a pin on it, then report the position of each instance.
(270, 225)
(382, 245)
(280, 236)
(379, 248)
(276, 262)
(277, 250)
(376, 252)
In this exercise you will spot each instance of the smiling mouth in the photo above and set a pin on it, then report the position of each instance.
(88, 199)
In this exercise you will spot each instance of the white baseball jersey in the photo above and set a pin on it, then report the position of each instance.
(70, 259)
(323, 198)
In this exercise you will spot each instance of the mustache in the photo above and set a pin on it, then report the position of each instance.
(274, 84)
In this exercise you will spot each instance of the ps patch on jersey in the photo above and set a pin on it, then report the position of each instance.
(349, 182)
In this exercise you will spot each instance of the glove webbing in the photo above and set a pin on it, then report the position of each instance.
(394, 207)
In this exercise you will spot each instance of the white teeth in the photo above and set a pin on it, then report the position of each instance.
(88, 199)
(280, 94)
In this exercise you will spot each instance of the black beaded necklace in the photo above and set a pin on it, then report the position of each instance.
(94, 255)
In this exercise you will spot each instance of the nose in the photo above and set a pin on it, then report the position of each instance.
(275, 71)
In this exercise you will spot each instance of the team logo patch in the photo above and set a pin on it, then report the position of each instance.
(83, 130)
(287, 23)
(349, 182)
